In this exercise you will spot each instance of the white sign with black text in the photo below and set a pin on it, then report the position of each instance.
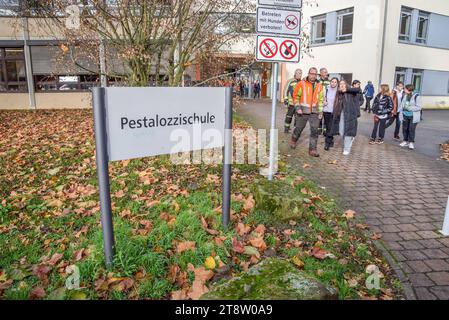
(282, 3)
(278, 21)
(144, 122)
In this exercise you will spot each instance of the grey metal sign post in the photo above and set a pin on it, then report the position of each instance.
(101, 143)
(227, 160)
(273, 120)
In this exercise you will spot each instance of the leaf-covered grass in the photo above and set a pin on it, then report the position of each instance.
(167, 221)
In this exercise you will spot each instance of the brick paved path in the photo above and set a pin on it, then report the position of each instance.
(401, 195)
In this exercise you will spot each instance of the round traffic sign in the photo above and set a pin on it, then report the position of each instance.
(268, 48)
(288, 49)
(291, 22)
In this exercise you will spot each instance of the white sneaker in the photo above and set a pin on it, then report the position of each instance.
(411, 146)
(403, 144)
(346, 153)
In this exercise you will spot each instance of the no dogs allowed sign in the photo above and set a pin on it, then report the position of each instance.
(277, 49)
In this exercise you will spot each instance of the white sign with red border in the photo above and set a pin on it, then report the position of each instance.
(278, 21)
(277, 49)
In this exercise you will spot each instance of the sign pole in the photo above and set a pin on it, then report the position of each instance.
(103, 173)
(273, 120)
(227, 160)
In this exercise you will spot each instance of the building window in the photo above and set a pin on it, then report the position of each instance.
(405, 23)
(400, 75)
(423, 27)
(319, 29)
(66, 82)
(9, 7)
(12, 70)
(346, 77)
(345, 22)
(417, 79)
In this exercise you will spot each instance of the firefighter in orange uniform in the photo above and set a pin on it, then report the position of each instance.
(308, 98)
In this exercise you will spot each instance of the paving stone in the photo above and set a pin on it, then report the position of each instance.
(442, 292)
(420, 280)
(428, 234)
(419, 266)
(431, 243)
(408, 227)
(436, 254)
(414, 254)
(440, 278)
(411, 245)
(409, 235)
(437, 264)
(424, 294)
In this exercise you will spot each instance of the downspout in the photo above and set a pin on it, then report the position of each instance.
(28, 65)
(382, 53)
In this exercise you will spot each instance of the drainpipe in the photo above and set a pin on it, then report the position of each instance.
(28, 65)
(382, 53)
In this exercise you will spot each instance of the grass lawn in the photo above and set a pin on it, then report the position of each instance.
(169, 239)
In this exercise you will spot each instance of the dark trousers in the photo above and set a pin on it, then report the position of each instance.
(368, 104)
(397, 126)
(289, 117)
(409, 129)
(301, 122)
(328, 119)
(379, 126)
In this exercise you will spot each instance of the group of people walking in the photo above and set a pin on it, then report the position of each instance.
(401, 106)
(332, 107)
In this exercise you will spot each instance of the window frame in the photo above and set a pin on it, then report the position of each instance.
(315, 20)
(426, 16)
(405, 36)
(415, 73)
(340, 17)
(5, 83)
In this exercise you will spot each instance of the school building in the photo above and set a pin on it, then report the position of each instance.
(384, 41)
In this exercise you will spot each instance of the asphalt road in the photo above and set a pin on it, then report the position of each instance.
(430, 133)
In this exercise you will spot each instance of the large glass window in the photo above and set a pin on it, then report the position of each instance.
(12, 69)
(417, 76)
(345, 22)
(405, 22)
(423, 27)
(66, 82)
(319, 29)
(9, 7)
(400, 75)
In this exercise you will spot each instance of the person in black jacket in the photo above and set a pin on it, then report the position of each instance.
(346, 114)
(382, 109)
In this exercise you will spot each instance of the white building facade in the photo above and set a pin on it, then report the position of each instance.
(384, 41)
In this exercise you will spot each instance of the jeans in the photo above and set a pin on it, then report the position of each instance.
(301, 122)
(397, 126)
(348, 143)
(409, 129)
(380, 126)
(328, 119)
(368, 104)
(289, 117)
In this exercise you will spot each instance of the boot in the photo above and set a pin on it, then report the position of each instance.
(326, 147)
(292, 143)
(286, 130)
(313, 153)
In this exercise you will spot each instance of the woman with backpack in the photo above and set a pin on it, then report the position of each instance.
(382, 109)
(410, 115)
(345, 114)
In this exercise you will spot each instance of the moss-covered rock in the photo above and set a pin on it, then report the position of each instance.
(279, 199)
(271, 279)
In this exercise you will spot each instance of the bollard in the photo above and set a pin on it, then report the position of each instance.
(445, 230)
